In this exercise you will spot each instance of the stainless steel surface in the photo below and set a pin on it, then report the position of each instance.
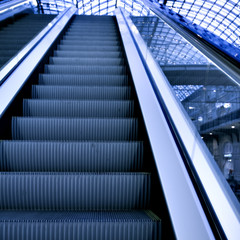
(38, 47)
(220, 195)
(188, 218)
(12, 4)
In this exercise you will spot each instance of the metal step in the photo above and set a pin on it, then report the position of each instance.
(127, 225)
(31, 156)
(74, 129)
(78, 109)
(74, 191)
(86, 54)
(87, 61)
(83, 80)
(81, 92)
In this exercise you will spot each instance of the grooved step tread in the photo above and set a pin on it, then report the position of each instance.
(88, 48)
(87, 61)
(83, 80)
(83, 92)
(64, 53)
(71, 156)
(85, 69)
(127, 225)
(92, 42)
(74, 191)
(88, 129)
(84, 109)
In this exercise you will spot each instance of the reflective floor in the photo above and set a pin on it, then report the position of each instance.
(210, 98)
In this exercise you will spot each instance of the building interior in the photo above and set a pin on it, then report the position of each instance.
(119, 119)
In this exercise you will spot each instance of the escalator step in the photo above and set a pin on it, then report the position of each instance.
(87, 129)
(92, 34)
(86, 37)
(86, 69)
(91, 31)
(94, 30)
(127, 225)
(93, 42)
(85, 80)
(11, 47)
(80, 109)
(87, 61)
(74, 191)
(13, 41)
(7, 52)
(81, 93)
(99, 54)
(88, 48)
(71, 156)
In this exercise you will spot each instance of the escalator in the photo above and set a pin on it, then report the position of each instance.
(79, 165)
(94, 144)
(18, 31)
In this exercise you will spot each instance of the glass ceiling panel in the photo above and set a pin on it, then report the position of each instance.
(95, 7)
(218, 16)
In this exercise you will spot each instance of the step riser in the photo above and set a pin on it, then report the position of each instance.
(87, 61)
(71, 157)
(74, 129)
(96, 54)
(98, 38)
(90, 49)
(127, 230)
(81, 93)
(63, 69)
(90, 43)
(83, 109)
(48, 191)
(86, 80)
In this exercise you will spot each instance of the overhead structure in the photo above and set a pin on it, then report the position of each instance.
(217, 16)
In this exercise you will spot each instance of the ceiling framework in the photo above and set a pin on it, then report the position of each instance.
(93, 7)
(220, 17)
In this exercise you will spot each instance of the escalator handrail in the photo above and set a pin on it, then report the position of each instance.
(17, 59)
(219, 198)
(12, 4)
(227, 63)
(30, 58)
(9, 11)
(178, 190)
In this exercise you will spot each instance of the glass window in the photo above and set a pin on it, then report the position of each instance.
(209, 97)
(226, 12)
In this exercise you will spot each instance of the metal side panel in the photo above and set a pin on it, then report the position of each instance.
(10, 8)
(187, 215)
(222, 199)
(31, 55)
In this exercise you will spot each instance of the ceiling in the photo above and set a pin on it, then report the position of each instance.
(221, 17)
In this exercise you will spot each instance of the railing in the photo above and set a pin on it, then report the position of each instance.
(221, 206)
(187, 216)
(10, 8)
(10, 5)
(16, 60)
(223, 54)
(17, 71)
